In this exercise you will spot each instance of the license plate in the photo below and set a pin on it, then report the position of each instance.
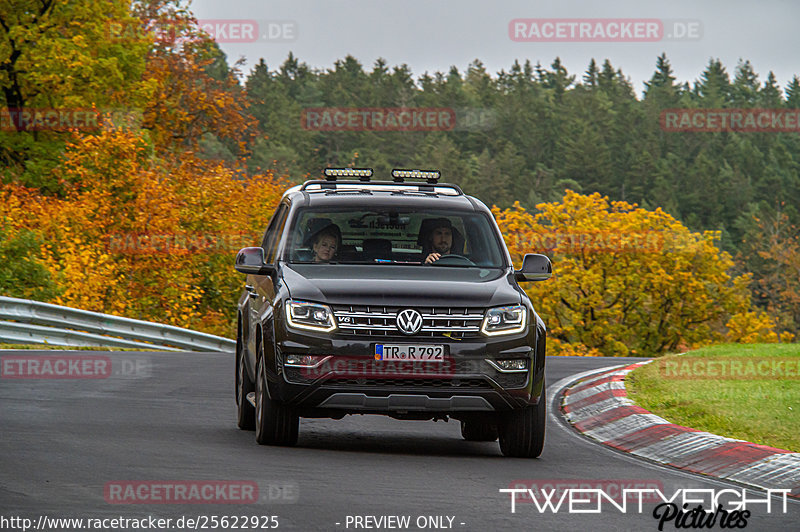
(428, 353)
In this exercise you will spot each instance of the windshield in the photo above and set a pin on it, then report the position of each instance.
(394, 236)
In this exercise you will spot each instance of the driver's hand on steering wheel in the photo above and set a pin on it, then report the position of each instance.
(433, 257)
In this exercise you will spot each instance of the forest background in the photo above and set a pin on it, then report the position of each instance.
(660, 240)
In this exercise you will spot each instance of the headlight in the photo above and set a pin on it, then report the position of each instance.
(505, 320)
(303, 315)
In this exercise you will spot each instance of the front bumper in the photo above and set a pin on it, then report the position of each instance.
(351, 380)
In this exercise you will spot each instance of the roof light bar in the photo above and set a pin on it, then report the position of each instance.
(431, 176)
(362, 174)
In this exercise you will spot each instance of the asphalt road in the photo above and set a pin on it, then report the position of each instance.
(171, 417)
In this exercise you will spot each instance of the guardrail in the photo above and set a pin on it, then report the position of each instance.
(34, 322)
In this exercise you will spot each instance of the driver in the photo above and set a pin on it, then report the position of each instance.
(440, 240)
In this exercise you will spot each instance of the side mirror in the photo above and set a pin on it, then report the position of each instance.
(251, 260)
(535, 267)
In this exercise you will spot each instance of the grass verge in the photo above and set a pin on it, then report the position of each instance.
(744, 391)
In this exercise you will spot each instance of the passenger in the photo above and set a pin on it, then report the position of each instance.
(326, 243)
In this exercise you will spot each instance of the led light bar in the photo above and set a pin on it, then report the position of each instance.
(331, 174)
(431, 176)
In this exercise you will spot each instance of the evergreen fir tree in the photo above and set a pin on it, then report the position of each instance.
(793, 94)
(745, 88)
(662, 79)
(590, 77)
(713, 89)
(770, 94)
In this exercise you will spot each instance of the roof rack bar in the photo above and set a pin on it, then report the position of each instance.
(398, 185)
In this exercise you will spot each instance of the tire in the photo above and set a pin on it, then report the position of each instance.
(245, 412)
(522, 431)
(276, 424)
(475, 431)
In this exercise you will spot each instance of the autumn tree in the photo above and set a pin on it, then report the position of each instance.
(771, 250)
(144, 237)
(22, 272)
(195, 93)
(56, 54)
(627, 281)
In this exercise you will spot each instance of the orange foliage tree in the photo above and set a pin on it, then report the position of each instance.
(147, 238)
(196, 94)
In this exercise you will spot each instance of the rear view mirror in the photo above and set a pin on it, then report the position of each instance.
(535, 267)
(251, 260)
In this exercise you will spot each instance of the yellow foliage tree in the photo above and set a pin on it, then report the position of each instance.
(627, 281)
(755, 327)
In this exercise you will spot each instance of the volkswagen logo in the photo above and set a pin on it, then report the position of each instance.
(409, 321)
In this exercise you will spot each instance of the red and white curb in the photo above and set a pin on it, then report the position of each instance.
(599, 408)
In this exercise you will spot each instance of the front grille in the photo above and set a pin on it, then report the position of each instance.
(452, 322)
(510, 380)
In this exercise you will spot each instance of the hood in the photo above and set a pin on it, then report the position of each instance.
(391, 285)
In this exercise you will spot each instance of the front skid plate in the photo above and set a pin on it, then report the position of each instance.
(360, 401)
(399, 402)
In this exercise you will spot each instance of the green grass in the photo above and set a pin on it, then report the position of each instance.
(72, 347)
(759, 409)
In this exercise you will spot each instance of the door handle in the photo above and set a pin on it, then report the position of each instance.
(251, 290)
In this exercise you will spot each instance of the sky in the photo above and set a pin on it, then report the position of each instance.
(433, 35)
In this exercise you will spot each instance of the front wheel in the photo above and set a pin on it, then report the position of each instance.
(522, 431)
(245, 412)
(276, 424)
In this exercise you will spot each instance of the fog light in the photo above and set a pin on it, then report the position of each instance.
(305, 361)
(517, 363)
(509, 365)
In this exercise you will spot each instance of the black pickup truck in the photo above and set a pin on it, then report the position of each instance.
(393, 297)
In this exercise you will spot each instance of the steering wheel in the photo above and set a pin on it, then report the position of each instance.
(452, 260)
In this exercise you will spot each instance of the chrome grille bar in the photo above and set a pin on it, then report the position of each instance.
(367, 320)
